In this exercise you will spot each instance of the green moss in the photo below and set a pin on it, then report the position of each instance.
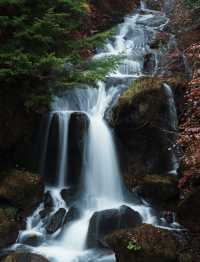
(147, 83)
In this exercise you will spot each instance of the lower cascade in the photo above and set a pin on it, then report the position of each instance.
(85, 196)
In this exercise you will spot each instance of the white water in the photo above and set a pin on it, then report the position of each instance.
(101, 175)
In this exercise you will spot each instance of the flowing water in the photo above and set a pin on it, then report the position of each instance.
(100, 183)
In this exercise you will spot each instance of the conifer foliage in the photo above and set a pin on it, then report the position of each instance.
(41, 48)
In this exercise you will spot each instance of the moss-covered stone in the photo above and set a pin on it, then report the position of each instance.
(21, 189)
(156, 245)
(144, 127)
(22, 257)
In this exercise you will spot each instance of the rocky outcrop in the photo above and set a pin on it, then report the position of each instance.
(106, 222)
(145, 126)
(21, 189)
(21, 257)
(20, 193)
(145, 243)
(8, 232)
(161, 191)
(188, 212)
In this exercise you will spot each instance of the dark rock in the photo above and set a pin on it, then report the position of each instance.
(24, 257)
(107, 221)
(160, 39)
(168, 216)
(48, 205)
(48, 200)
(149, 63)
(159, 190)
(32, 240)
(72, 214)
(56, 221)
(108, 13)
(69, 194)
(8, 213)
(157, 5)
(144, 127)
(21, 189)
(78, 126)
(188, 212)
(50, 169)
(8, 232)
(144, 243)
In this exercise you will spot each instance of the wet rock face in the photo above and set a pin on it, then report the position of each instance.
(48, 205)
(105, 222)
(56, 221)
(78, 127)
(22, 257)
(33, 240)
(69, 195)
(145, 243)
(72, 214)
(52, 154)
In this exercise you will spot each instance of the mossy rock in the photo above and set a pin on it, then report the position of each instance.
(146, 100)
(21, 189)
(153, 245)
(22, 257)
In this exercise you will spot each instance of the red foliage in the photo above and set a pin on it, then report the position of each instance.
(190, 123)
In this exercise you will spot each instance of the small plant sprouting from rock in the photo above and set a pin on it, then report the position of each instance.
(133, 246)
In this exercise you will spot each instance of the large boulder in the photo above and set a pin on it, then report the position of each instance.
(107, 221)
(144, 243)
(188, 212)
(21, 189)
(158, 190)
(22, 257)
(145, 126)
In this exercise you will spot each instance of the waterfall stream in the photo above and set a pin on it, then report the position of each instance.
(100, 180)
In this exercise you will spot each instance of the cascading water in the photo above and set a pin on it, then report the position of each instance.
(100, 176)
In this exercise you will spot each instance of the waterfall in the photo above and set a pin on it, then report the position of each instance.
(102, 172)
(99, 185)
(64, 118)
